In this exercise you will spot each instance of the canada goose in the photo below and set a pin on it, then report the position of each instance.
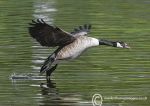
(70, 45)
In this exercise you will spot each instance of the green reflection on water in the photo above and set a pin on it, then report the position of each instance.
(105, 70)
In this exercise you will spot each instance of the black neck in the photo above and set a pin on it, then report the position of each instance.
(106, 42)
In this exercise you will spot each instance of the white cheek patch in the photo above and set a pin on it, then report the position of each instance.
(119, 45)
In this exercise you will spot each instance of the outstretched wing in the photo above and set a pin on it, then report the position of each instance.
(48, 35)
(81, 30)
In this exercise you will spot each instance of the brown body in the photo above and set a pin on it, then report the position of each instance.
(75, 48)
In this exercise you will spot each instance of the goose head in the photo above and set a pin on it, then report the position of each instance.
(121, 44)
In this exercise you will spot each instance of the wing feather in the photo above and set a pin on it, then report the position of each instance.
(81, 30)
(48, 35)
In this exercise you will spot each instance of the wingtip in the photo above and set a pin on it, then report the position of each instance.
(33, 21)
(89, 26)
(80, 27)
(84, 28)
(37, 21)
(42, 21)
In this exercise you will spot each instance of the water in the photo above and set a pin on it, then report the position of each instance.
(110, 72)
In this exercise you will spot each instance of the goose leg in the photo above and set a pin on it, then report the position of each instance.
(49, 72)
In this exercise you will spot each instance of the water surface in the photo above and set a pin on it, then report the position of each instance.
(111, 72)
